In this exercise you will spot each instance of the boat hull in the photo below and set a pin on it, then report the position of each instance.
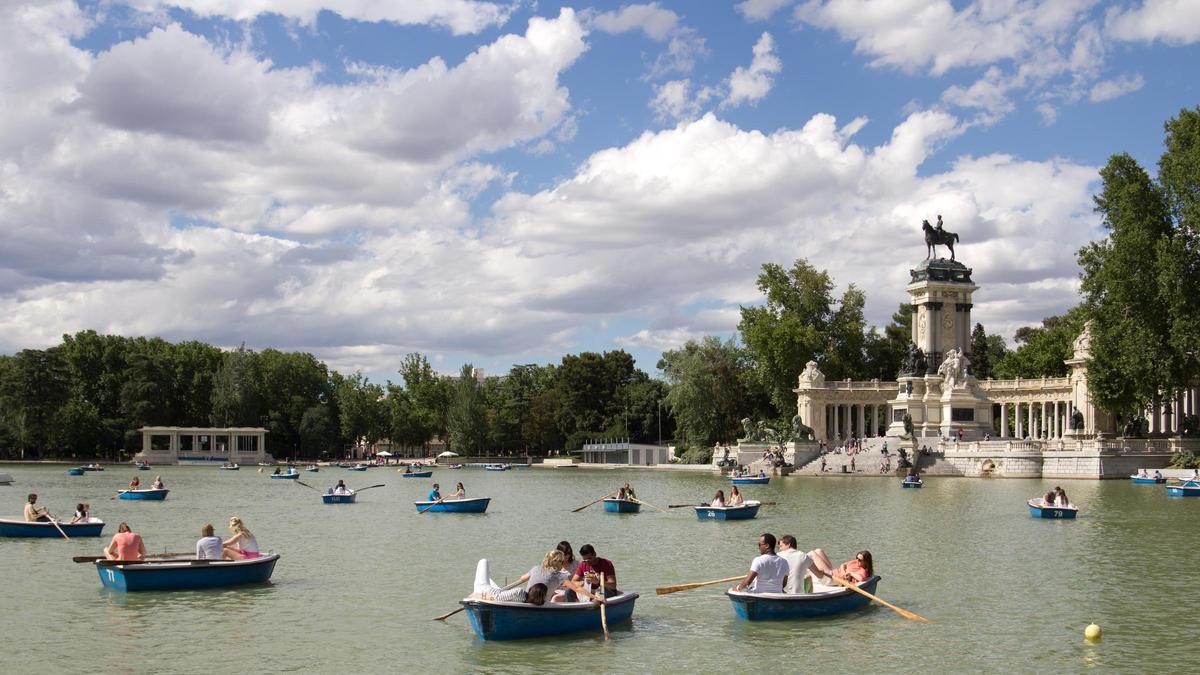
(183, 575)
(621, 506)
(497, 468)
(787, 607)
(475, 505)
(339, 499)
(911, 484)
(417, 474)
(21, 528)
(1183, 490)
(312, 469)
(356, 468)
(518, 621)
(1038, 510)
(763, 480)
(144, 495)
(74, 472)
(1143, 480)
(229, 468)
(746, 512)
(285, 476)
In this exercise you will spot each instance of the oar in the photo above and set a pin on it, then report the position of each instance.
(57, 527)
(603, 616)
(439, 501)
(371, 486)
(595, 502)
(646, 504)
(903, 612)
(300, 482)
(447, 615)
(94, 558)
(664, 590)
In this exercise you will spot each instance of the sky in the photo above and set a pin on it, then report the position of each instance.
(503, 183)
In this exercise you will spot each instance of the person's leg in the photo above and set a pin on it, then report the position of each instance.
(822, 562)
(483, 576)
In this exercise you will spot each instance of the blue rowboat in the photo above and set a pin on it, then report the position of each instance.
(1038, 509)
(494, 620)
(910, 484)
(417, 474)
(232, 467)
(457, 466)
(824, 601)
(347, 498)
(1184, 490)
(613, 505)
(286, 476)
(744, 512)
(147, 494)
(751, 480)
(182, 575)
(474, 505)
(74, 472)
(92, 468)
(142, 467)
(497, 467)
(21, 528)
(312, 469)
(1146, 480)
(356, 468)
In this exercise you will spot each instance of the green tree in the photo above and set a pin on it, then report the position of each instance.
(35, 385)
(885, 353)
(420, 414)
(1131, 359)
(236, 399)
(708, 395)
(1179, 278)
(362, 409)
(467, 416)
(1042, 350)
(986, 352)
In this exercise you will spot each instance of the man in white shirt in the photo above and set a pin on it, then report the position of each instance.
(768, 572)
(209, 546)
(799, 566)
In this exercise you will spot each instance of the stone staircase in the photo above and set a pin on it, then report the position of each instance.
(866, 462)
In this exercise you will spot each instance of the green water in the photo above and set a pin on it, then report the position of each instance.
(357, 584)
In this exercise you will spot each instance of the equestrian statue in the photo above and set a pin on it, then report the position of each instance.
(935, 235)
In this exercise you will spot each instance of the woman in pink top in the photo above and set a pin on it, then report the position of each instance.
(125, 545)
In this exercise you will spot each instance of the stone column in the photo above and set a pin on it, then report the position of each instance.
(862, 421)
(872, 417)
(1003, 420)
(1058, 419)
(1155, 423)
(837, 427)
(935, 337)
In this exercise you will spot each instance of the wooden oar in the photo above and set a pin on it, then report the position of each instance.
(595, 502)
(300, 482)
(439, 501)
(683, 506)
(94, 558)
(664, 590)
(603, 616)
(635, 499)
(371, 486)
(57, 527)
(903, 612)
(447, 615)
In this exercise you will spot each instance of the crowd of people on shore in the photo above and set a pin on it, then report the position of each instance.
(558, 578)
(791, 570)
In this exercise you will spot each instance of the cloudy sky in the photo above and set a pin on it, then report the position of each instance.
(507, 182)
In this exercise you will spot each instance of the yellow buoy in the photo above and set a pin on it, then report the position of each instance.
(1092, 633)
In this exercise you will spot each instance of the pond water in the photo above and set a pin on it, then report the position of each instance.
(357, 585)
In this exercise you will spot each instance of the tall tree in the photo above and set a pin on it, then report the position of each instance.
(467, 416)
(422, 411)
(1042, 351)
(708, 393)
(885, 353)
(1131, 359)
(986, 352)
(1179, 281)
(34, 387)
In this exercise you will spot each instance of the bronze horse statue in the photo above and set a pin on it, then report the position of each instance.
(934, 236)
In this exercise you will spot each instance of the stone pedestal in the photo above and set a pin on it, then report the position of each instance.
(965, 408)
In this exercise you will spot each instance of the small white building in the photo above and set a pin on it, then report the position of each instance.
(203, 445)
(624, 452)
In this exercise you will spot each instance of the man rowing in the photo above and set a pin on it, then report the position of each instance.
(35, 513)
(768, 572)
(434, 494)
(592, 567)
(626, 493)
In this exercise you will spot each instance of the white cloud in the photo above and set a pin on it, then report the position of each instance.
(657, 23)
(751, 85)
(460, 16)
(1116, 88)
(760, 10)
(1171, 21)
(989, 94)
(676, 100)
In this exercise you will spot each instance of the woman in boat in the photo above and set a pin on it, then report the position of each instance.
(135, 483)
(1049, 497)
(1060, 497)
(242, 545)
(125, 545)
(857, 570)
(82, 513)
(569, 554)
(627, 493)
(735, 497)
(460, 492)
(718, 499)
(157, 484)
(278, 471)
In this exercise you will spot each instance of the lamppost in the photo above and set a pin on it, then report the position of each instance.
(660, 421)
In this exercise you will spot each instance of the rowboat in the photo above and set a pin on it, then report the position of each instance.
(74, 472)
(474, 505)
(1184, 490)
(142, 466)
(1038, 509)
(417, 474)
(743, 512)
(497, 467)
(360, 467)
(906, 483)
(21, 528)
(751, 480)
(1146, 480)
(147, 494)
(495, 620)
(265, 464)
(613, 505)
(287, 476)
(345, 498)
(181, 575)
(312, 469)
(229, 467)
(92, 467)
(456, 466)
(823, 601)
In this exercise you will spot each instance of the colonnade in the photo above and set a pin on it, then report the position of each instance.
(1167, 418)
(862, 420)
(1035, 419)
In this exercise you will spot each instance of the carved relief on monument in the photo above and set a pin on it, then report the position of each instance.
(921, 327)
(812, 375)
(947, 331)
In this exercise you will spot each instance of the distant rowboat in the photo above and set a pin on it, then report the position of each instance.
(751, 480)
(417, 474)
(286, 476)
(179, 575)
(229, 467)
(1038, 509)
(613, 505)
(497, 467)
(474, 505)
(744, 512)
(1146, 480)
(74, 472)
(22, 528)
(495, 620)
(824, 601)
(144, 495)
(906, 483)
